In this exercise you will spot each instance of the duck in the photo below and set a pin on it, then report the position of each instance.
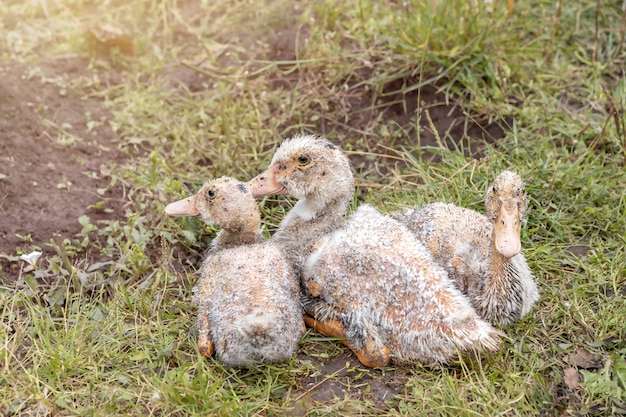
(482, 253)
(249, 309)
(365, 279)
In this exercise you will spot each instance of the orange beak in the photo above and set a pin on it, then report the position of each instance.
(265, 183)
(507, 232)
(185, 207)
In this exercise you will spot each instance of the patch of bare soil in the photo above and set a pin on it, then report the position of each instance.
(440, 124)
(342, 374)
(54, 148)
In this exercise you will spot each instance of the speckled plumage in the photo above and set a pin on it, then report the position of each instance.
(383, 285)
(501, 288)
(369, 272)
(321, 205)
(247, 294)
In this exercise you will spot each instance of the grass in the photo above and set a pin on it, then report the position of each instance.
(115, 338)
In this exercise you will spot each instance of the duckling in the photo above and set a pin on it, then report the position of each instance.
(249, 310)
(482, 253)
(366, 279)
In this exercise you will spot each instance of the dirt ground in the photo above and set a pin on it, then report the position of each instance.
(55, 145)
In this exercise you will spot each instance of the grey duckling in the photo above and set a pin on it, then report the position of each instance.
(482, 253)
(249, 310)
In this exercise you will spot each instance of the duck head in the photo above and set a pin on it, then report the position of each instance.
(506, 204)
(306, 167)
(223, 202)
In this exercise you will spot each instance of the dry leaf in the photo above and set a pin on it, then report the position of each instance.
(109, 36)
(583, 359)
(570, 377)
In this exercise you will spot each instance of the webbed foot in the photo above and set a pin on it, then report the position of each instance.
(330, 327)
(371, 355)
(205, 346)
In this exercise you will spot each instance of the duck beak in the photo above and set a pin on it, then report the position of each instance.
(185, 207)
(507, 231)
(265, 183)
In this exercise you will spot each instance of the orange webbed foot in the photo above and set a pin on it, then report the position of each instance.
(371, 355)
(330, 328)
(205, 346)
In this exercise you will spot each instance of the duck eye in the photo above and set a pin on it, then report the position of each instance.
(211, 194)
(303, 160)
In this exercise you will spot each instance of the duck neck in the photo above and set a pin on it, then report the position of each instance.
(499, 265)
(227, 238)
(503, 274)
(308, 221)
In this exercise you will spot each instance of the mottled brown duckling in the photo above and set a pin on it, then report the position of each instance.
(366, 279)
(482, 253)
(249, 310)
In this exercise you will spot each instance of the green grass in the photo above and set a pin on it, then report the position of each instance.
(115, 337)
